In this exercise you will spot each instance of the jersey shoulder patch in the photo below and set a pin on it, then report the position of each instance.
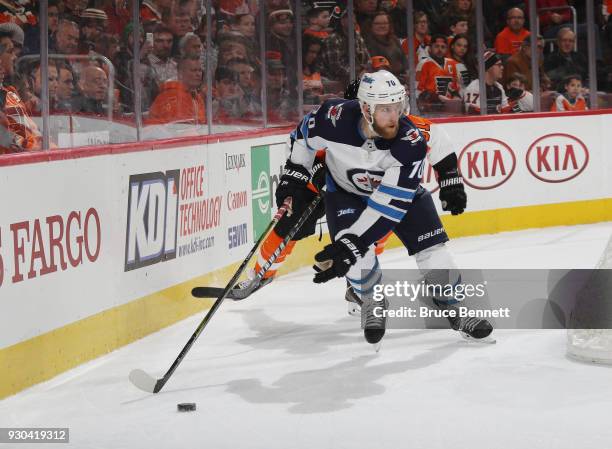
(337, 120)
(409, 145)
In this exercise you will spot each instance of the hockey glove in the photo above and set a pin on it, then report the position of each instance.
(294, 183)
(336, 259)
(318, 175)
(452, 191)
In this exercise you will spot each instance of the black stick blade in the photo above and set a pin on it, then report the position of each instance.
(207, 292)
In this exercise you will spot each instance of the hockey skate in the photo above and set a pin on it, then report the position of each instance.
(470, 328)
(353, 301)
(373, 320)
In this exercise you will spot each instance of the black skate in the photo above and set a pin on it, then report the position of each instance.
(471, 328)
(373, 320)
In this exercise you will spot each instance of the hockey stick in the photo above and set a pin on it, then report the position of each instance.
(147, 383)
(254, 284)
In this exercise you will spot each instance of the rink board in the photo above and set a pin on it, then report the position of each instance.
(106, 246)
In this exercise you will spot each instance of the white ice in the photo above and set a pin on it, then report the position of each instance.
(289, 369)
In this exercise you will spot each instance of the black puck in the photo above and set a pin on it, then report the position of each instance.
(186, 407)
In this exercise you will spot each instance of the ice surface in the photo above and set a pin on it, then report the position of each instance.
(289, 369)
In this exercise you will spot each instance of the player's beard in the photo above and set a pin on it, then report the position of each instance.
(387, 131)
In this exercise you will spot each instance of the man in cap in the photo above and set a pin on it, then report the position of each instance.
(93, 23)
(497, 101)
(319, 16)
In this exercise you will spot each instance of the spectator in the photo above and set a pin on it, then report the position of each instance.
(93, 24)
(160, 59)
(552, 20)
(281, 40)
(108, 45)
(564, 61)
(65, 88)
(438, 76)
(245, 24)
(465, 8)
(458, 25)
(7, 58)
(318, 21)
(73, 8)
(521, 63)
(21, 133)
(180, 100)
(519, 98)
(202, 34)
(313, 85)
(17, 36)
(334, 55)
(232, 46)
(152, 11)
(190, 44)
(231, 8)
(497, 102)
(179, 22)
(228, 95)
(67, 38)
(381, 41)
(118, 13)
(93, 86)
(19, 12)
(422, 39)
(571, 99)
(124, 60)
(460, 52)
(365, 10)
(34, 103)
(280, 106)
(250, 98)
(32, 32)
(508, 41)
(125, 74)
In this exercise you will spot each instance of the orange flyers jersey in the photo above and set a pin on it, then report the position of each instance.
(420, 48)
(563, 104)
(441, 80)
(439, 144)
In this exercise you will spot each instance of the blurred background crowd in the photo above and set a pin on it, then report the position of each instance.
(206, 66)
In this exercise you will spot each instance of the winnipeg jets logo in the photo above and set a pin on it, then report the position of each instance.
(365, 181)
(413, 136)
(334, 114)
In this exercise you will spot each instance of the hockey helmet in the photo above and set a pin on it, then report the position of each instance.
(380, 87)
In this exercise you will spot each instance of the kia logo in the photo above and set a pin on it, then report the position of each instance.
(557, 157)
(486, 163)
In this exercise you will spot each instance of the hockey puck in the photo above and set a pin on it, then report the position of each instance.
(186, 407)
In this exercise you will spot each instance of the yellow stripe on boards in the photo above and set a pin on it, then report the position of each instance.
(45, 356)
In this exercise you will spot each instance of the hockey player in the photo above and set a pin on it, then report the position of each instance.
(375, 157)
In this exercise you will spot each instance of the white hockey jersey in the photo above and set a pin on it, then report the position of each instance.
(385, 173)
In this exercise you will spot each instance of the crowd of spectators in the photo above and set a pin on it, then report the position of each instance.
(91, 63)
